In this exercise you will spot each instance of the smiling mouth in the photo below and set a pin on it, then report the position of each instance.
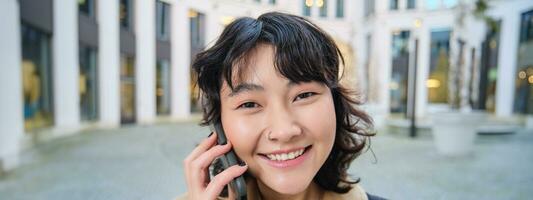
(279, 157)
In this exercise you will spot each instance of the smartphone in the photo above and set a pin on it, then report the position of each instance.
(238, 185)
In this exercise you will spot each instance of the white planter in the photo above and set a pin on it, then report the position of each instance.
(454, 132)
(529, 121)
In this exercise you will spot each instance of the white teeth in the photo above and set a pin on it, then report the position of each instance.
(285, 156)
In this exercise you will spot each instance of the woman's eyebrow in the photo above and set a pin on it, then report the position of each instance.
(243, 87)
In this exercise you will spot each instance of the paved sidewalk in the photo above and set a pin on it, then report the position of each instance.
(144, 162)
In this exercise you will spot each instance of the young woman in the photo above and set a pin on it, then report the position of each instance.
(273, 82)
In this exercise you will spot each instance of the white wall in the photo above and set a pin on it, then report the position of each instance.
(145, 62)
(180, 60)
(11, 119)
(108, 62)
(66, 66)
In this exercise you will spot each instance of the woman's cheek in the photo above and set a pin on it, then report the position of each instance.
(319, 118)
(241, 131)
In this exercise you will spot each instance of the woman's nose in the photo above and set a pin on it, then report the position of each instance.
(283, 127)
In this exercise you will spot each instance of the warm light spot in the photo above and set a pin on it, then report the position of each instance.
(309, 3)
(522, 75)
(492, 44)
(530, 70)
(530, 79)
(396, 32)
(159, 92)
(418, 23)
(193, 14)
(225, 20)
(433, 83)
(320, 3)
(394, 86)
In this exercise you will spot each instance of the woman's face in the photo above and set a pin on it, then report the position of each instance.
(283, 130)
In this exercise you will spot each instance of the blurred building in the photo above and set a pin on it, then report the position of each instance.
(449, 54)
(67, 65)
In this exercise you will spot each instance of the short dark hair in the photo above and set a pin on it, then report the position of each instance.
(303, 53)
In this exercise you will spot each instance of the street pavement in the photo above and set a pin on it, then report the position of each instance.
(145, 162)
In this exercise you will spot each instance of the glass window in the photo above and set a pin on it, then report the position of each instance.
(399, 76)
(36, 78)
(439, 66)
(323, 5)
(86, 7)
(393, 4)
(449, 3)
(526, 27)
(432, 4)
(197, 32)
(523, 101)
(162, 20)
(127, 89)
(488, 71)
(306, 6)
(197, 27)
(126, 13)
(340, 9)
(163, 87)
(411, 4)
(88, 83)
(369, 7)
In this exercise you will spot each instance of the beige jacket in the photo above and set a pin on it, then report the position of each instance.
(356, 193)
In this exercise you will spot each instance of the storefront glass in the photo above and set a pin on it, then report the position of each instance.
(36, 78)
(437, 82)
(197, 31)
(163, 87)
(127, 89)
(88, 84)
(523, 101)
(399, 76)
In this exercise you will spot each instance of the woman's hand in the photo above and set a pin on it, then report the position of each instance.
(196, 170)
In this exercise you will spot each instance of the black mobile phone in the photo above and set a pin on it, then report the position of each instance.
(238, 185)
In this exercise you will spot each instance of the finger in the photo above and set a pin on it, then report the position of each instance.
(224, 178)
(201, 164)
(203, 146)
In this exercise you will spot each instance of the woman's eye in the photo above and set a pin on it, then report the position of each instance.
(248, 105)
(304, 95)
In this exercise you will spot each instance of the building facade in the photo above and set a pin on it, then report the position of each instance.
(109, 63)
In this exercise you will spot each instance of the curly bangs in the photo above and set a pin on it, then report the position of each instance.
(303, 53)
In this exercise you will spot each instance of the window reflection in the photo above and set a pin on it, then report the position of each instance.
(399, 76)
(439, 66)
(86, 7)
(127, 89)
(36, 78)
(523, 102)
(197, 31)
(306, 7)
(323, 5)
(340, 9)
(125, 12)
(162, 20)
(393, 4)
(88, 83)
(163, 87)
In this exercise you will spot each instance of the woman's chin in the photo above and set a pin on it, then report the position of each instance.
(287, 186)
